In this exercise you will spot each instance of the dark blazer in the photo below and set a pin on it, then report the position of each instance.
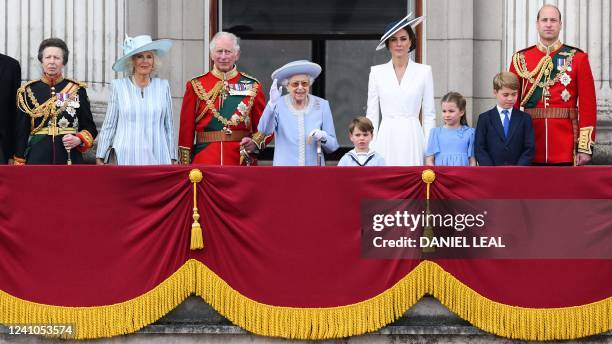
(10, 80)
(492, 147)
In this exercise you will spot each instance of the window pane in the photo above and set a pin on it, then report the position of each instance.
(330, 17)
(260, 58)
(346, 80)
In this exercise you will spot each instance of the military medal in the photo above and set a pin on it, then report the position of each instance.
(224, 92)
(75, 102)
(560, 63)
(63, 123)
(61, 98)
(565, 95)
(242, 89)
(242, 108)
(565, 79)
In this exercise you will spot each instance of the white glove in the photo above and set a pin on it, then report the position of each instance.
(318, 135)
(275, 93)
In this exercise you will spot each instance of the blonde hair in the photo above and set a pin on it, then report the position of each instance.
(156, 63)
(505, 79)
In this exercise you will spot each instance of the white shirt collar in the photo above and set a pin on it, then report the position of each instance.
(500, 109)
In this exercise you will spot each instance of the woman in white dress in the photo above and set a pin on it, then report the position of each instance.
(139, 124)
(397, 92)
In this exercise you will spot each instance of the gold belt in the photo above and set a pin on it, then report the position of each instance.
(220, 136)
(55, 131)
(570, 113)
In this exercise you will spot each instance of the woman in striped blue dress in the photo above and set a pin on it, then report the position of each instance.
(138, 125)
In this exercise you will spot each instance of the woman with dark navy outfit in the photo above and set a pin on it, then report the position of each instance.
(54, 121)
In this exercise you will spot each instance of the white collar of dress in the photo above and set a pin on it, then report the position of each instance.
(311, 102)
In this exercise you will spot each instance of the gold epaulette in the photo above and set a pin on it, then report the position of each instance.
(528, 48)
(80, 84)
(23, 87)
(578, 50)
(250, 77)
(22, 97)
(199, 76)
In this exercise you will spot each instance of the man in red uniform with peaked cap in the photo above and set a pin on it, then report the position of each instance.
(221, 111)
(558, 91)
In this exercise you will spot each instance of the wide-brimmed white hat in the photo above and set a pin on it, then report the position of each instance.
(297, 67)
(139, 44)
(392, 28)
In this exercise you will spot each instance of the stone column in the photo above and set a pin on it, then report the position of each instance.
(90, 28)
(186, 23)
(488, 58)
(450, 48)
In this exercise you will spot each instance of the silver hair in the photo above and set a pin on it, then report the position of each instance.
(234, 38)
(285, 82)
(130, 69)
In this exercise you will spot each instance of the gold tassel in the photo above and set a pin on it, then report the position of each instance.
(197, 239)
(428, 176)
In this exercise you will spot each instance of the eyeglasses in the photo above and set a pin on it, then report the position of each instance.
(296, 84)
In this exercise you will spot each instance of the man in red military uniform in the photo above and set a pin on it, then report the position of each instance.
(558, 91)
(221, 110)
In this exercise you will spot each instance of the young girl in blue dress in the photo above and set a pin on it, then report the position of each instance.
(453, 143)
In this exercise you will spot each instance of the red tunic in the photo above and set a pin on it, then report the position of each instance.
(573, 87)
(243, 99)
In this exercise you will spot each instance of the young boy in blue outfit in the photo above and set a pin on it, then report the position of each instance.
(361, 132)
(504, 135)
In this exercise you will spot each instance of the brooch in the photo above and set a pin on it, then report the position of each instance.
(565, 79)
(63, 123)
(565, 95)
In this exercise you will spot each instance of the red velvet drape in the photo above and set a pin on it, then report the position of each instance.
(91, 236)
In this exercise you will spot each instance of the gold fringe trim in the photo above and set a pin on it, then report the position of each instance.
(518, 322)
(310, 323)
(104, 321)
(316, 323)
(381, 310)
